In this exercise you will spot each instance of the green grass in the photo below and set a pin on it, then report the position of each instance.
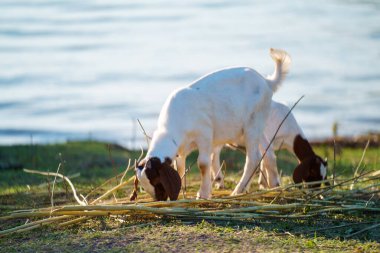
(97, 162)
(176, 237)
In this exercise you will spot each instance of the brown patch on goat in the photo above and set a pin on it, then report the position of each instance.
(203, 168)
(302, 148)
(164, 179)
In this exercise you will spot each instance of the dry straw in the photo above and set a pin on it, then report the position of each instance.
(286, 202)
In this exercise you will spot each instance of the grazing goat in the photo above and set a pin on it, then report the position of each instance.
(221, 107)
(290, 136)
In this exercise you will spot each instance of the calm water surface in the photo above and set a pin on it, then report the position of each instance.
(88, 69)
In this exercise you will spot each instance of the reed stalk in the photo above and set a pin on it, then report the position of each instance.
(292, 202)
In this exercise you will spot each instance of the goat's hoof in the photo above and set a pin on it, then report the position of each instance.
(274, 185)
(238, 191)
(203, 196)
(234, 193)
(262, 187)
(219, 185)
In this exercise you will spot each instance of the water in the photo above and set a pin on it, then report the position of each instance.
(88, 69)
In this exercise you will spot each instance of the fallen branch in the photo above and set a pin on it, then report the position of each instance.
(80, 202)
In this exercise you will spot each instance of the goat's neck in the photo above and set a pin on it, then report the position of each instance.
(302, 148)
(163, 146)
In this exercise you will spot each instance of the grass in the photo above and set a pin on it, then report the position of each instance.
(97, 162)
(176, 237)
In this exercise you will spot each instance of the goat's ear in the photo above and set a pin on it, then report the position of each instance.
(302, 171)
(170, 180)
(153, 162)
(302, 147)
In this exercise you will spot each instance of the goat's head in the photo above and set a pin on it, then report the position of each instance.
(311, 169)
(159, 179)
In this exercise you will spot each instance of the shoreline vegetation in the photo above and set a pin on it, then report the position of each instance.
(350, 141)
(345, 217)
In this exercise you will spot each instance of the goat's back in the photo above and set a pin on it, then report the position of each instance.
(222, 101)
(287, 131)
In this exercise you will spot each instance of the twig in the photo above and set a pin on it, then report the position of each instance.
(328, 188)
(188, 169)
(52, 191)
(363, 230)
(100, 186)
(111, 191)
(333, 170)
(242, 150)
(184, 177)
(334, 227)
(275, 198)
(220, 169)
(61, 176)
(110, 179)
(360, 162)
(126, 170)
(71, 222)
(147, 137)
(59, 180)
(366, 204)
(32, 225)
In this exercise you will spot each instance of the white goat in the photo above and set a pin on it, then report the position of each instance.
(221, 107)
(290, 136)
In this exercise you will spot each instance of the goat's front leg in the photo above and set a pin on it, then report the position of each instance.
(204, 162)
(268, 177)
(253, 134)
(216, 170)
(251, 162)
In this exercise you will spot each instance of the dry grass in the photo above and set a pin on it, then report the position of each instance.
(356, 196)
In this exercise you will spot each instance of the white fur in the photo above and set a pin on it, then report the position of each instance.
(141, 175)
(323, 171)
(284, 139)
(222, 107)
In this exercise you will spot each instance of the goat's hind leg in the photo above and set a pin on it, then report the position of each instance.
(268, 177)
(181, 167)
(252, 160)
(251, 163)
(253, 134)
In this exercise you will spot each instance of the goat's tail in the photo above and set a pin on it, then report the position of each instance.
(282, 64)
